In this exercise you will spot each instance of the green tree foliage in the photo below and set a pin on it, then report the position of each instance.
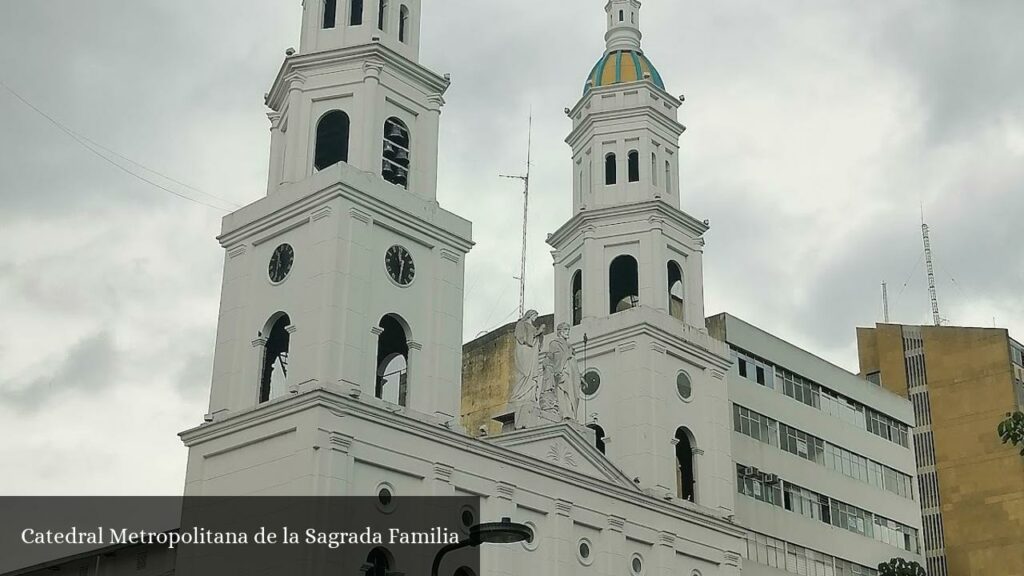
(1011, 430)
(900, 567)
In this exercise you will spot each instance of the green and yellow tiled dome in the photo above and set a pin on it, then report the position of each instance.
(621, 67)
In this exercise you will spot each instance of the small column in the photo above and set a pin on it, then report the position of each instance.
(423, 177)
(665, 555)
(499, 560)
(441, 483)
(731, 563)
(295, 160)
(334, 463)
(613, 546)
(276, 152)
(373, 124)
(595, 277)
(657, 295)
(564, 548)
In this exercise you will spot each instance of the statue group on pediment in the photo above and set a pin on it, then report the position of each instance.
(548, 380)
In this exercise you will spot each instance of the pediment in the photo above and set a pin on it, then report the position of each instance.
(564, 444)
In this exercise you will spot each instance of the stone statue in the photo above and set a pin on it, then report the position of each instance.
(529, 338)
(565, 374)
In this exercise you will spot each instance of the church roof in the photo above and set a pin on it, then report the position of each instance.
(622, 67)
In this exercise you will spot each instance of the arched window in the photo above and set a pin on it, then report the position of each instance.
(577, 297)
(395, 167)
(599, 437)
(330, 13)
(623, 284)
(378, 563)
(668, 176)
(382, 15)
(274, 372)
(675, 290)
(634, 166)
(622, 16)
(331, 140)
(654, 168)
(609, 169)
(392, 361)
(686, 481)
(355, 17)
(403, 24)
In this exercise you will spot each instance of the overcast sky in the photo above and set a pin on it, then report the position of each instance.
(816, 131)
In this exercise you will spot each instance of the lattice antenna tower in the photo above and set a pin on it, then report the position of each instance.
(526, 217)
(932, 293)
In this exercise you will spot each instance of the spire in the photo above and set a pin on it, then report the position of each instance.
(623, 25)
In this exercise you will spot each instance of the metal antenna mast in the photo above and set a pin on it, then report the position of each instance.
(526, 217)
(931, 272)
(885, 302)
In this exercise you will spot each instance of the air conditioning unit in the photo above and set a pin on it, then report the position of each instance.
(771, 479)
(749, 471)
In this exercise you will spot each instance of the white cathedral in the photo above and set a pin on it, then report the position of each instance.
(339, 347)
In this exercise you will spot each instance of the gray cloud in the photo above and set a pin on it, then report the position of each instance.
(89, 366)
(815, 132)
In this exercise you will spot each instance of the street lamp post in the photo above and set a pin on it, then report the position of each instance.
(504, 532)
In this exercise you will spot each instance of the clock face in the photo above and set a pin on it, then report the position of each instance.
(399, 265)
(281, 263)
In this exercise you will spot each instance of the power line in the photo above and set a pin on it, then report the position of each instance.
(94, 147)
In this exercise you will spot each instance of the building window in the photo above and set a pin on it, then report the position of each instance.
(624, 284)
(577, 298)
(355, 17)
(403, 24)
(332, 133)
(654, 169)
(330, 13)
(622, 15)
(609, 169)
(392, 361)
(397, 155)
(668, 176)
(274, 372)
(686, 480)
(382, 15)
(634, 166)
(675, 290)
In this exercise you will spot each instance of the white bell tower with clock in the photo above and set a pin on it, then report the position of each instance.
(629, 280)
(348, 275)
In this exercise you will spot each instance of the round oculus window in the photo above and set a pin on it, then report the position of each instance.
(591, 383)
(637, 565)
(684, 385)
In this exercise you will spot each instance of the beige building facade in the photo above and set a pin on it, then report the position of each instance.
(962, 382)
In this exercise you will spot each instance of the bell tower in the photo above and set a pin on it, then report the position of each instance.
(347, 276)
(629, 279)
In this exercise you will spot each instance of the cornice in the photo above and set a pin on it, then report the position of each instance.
(611, 88)
(588, 123)
(331, 398)
(583, 220)
(311, 203)
(376, 53)
(672, 341)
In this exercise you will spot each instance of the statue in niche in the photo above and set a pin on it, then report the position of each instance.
(529, 339)
(564, 375)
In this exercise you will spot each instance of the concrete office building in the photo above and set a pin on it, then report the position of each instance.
(824, 461)
(962, 382)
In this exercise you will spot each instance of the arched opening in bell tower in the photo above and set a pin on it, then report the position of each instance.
(675, 290)
(332, 133)
(397, 153)
(577, 298)
(623, 284)
(634, 166)
(599, 437)
(379, 562)
(355, 17)
(403, 24)
(392, 361)
(274, 369)
(686, 481)
(330, 13)
(609, 169)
